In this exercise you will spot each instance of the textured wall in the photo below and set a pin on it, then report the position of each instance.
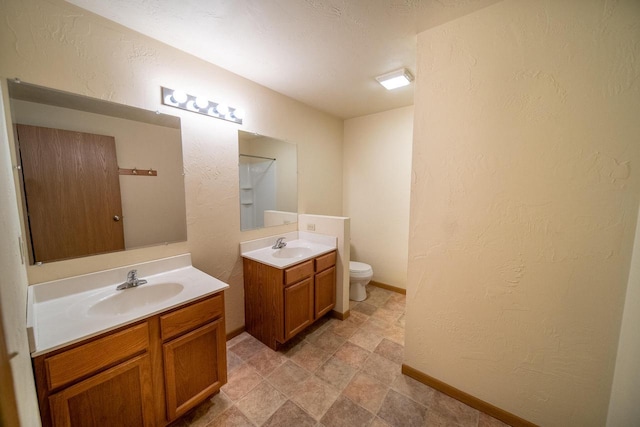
(55, 44)
(17, 393)
(524, 201)
(377, 180)
(624, 410)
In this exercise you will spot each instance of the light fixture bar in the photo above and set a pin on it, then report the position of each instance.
(395, 79)
(197, 104)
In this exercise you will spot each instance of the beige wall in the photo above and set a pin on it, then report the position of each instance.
(624, 410)
(55, 44)
(524, 202)
(340, 228)
(377, 175)
(17, 392)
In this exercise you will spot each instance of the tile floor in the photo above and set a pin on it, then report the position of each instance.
(337, 373)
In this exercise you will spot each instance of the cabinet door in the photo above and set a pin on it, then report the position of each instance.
(298, 307)
(325, 290)
(195, 367)
(120, 396)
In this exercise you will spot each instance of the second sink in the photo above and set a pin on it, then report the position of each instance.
(299, 252)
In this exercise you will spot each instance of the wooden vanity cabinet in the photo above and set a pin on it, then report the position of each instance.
(280, 303)
(194, 353)
(145, 374)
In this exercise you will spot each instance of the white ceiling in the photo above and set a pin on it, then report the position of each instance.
(324, 53)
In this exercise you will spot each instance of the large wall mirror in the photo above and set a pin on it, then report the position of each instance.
(96, 176)
(268, 181)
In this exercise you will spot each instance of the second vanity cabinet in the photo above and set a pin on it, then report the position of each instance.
(145, 374)
(280, 303)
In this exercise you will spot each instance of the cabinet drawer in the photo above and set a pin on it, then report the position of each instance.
(298, 272)
(325, 261)
(78, 362)
(187, 318)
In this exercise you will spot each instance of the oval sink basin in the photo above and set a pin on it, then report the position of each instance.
(298, 252)
(130, 299)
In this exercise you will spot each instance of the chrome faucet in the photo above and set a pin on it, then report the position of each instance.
(132, 281)
(280, 243)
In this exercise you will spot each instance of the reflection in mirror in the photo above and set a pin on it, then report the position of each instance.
(268, 181)
(96, 176)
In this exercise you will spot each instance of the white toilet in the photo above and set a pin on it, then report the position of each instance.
(359, 275)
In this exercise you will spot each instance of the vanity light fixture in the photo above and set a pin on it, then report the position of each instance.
(395, 79)
(198, 104)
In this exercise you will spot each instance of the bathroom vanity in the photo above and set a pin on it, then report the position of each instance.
(159, 356)
(287, 289)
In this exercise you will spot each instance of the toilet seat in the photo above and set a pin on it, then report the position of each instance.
(359, 269)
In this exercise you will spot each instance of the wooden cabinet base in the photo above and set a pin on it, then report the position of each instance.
(130, 401)
(146, 374)
(279, 304)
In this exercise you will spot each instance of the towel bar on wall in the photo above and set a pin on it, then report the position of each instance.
(138, 172)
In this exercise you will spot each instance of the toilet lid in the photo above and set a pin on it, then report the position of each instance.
(358, 267)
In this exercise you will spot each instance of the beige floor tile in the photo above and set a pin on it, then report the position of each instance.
(266, 361)
(345, 413)
(352, 354)
(328, 341)
(290, 415)
(376, 326)
(366, 392)
(232, 417)
(398, 410)
(364, 308)
(315, 396)
(344, 329)
(288, 377)
(414, 390)
(241, 381)
(261, 402)
(390, 350)
(336, 373)
(453, 411)
(233, 361)
(356, 318)
(381, 369)
(378, 422)
(395, 333)
(248, 347)
(235, 340)
(377, 297)
(386, 315)
(365, 339)
(309, 356)
(395, 304)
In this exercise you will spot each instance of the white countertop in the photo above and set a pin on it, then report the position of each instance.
(312, 245)
(58, 312)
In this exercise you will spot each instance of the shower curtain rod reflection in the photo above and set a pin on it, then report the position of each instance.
(257, 157)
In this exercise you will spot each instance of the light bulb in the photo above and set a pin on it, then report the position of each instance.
(222, 109)
(179, 96)
(191, 106)
(202, 103)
